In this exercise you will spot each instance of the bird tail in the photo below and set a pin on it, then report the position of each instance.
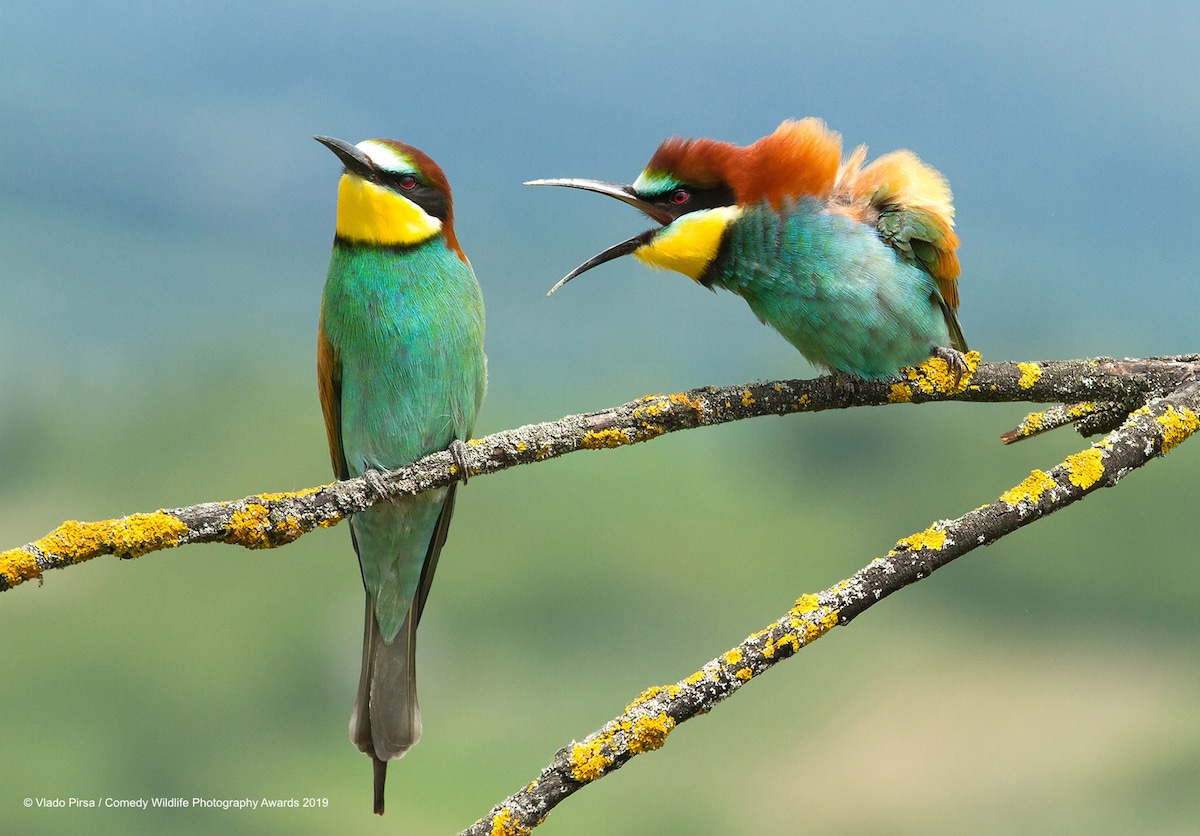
(386, 720)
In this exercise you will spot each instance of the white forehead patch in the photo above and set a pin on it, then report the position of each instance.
(386, 157)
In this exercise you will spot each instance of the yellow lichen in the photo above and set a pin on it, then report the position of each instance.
(900, 393)
(1081, 409)
(275, 497)
(1177, 426)
(588, 760)
(809, 631)
(936, 376)
(503, 824)
(1031, 489)
(650, 431)
(289, 529)
(1032, 423)
(18, 566)
(806, 604)
(649, 733)
(131, 536)
(602, 439)
(841, 587)
(248, 526)
(682, 398)
(1084, 469)
(732, 657)
(801, 619)
(931, 538)
(747, 399)
(645, 697)
(1031, 373)
(75, 542)
(251, 527)
(522, 447)
(744, 674)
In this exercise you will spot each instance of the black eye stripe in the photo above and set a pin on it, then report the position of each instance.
(681, 200)
(410, 185)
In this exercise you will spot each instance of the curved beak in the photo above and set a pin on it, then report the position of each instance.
(615, 251)
(623, 193)
(356, 161)
(620, 191)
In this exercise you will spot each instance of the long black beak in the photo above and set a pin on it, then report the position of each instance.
(615, 251)
(623, 193)
(356, 161)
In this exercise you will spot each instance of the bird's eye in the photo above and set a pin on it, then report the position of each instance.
(407, 181)
(680, 196)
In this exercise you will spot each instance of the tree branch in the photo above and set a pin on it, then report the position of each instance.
(1148, 406)
(645, 724)
(273, 519)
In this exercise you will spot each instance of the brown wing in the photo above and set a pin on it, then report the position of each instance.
(911, 205)
(329, 385)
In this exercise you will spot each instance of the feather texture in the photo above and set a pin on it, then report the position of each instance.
(401, 373)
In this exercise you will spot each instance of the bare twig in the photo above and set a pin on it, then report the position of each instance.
(273, 519)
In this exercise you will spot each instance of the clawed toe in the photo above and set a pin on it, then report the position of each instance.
(375, 481)
(954, 359)
(458, 452)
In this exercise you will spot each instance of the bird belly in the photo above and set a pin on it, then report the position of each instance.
(412, 379)
(837, 292)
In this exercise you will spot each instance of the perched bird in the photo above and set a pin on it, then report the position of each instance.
(854, 265)
(401, 373)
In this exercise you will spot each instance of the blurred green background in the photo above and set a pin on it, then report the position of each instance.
(165, 222)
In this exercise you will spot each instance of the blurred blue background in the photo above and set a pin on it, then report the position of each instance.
(165, 223)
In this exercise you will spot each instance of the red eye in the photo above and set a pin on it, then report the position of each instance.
(680, 196)
(407, 181)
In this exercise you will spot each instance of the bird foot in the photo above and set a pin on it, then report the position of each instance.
(954, 359)
(377, 485)
(458, 452)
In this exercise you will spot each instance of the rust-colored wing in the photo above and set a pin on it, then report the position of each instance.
(329, 384)
(910, 204)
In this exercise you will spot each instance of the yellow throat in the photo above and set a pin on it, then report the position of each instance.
(689, 244)
(368, 213)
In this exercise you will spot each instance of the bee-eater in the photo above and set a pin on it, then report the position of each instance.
(854, 265)
(401, 374)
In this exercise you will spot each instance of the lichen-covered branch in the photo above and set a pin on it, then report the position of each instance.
(273, 519)
(1150, 431)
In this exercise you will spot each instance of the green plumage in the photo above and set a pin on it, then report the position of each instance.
(834, 289)
(406, 328)
(407, 325)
